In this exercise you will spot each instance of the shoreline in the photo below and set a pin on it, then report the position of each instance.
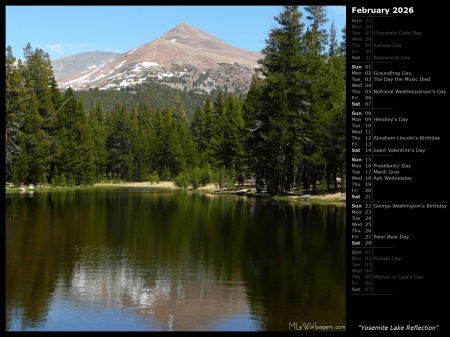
(335, 197)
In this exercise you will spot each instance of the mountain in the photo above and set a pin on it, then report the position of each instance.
(80, 62)
(185, 57)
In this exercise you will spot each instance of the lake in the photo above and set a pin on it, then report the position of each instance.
(141, 260)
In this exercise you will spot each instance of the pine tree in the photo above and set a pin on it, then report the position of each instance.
(74, 150)
(38, 75)
(178, 111)
(35, 145)
(189, 149)
(333, 50)
(24, 102)
(167, 150)
(334, 140)
(227, 141)
(86, 151)
(343, 45)
(97, 129)
(324, 186)
(216, 131)
(198, 129)
(55, 178)
(318, 17)
(20, 161)
(277, 122)
(315, 41)
(231, 144)
(144, 150)
(14, 94)
(253, 142)
(119, 142)
(208, 127)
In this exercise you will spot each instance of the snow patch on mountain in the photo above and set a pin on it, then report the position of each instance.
(131, 51)
(147, 64)
(120, 64)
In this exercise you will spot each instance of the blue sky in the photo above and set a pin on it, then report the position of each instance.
(66, 30)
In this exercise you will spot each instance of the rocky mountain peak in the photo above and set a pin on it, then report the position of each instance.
(184, 30)
(194, 37)
(184, 57)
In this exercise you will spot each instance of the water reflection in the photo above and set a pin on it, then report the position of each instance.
(138, 260)
(186, 297)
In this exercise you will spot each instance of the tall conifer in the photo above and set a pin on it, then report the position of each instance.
(277, 121)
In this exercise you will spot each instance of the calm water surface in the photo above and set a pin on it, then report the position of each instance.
(110, 260)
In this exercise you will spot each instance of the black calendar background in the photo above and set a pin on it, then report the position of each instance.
(407, 302)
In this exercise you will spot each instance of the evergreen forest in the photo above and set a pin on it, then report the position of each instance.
(286, 134)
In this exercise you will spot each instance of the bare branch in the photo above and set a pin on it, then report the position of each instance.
(67, 100)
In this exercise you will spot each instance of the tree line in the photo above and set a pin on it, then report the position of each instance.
(156, 94)
(287, 132)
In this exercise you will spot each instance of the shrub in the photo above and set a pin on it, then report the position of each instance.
(62, 180)
(323, 187)
(195, 177)
(182, 180)
(153, 177)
